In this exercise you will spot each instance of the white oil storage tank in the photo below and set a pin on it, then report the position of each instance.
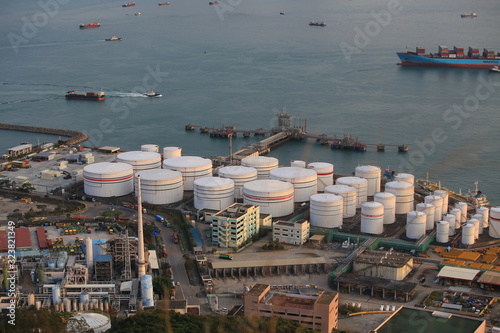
(485, 211)
(475, 223)
(494, 230)
(437, 201)
(458, 217)
(325, 174)
(415, 224)
(451, 219)
(326, 210)
(350, 196)
(140, 160)
(404, 192)
(463, 210)
(305, 181)
(443, 194)
(106, 179)
(468, 234)
(430, 212)
(389, 201)
(56, 295)
(442, 231)
(274, 197)
(160, 186)
(298, 164)
(150, 147)
(263, 164)
(372, 174)
(372, 217)
(240, 175)
(405, 177)
(213, 193)
(360, 184)
(191, 167)
(169, 152)
(480, 218)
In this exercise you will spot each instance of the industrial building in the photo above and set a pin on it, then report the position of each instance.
(20, 150)
(314, 309)
(383, 264)
(293, 233)
(235, 224)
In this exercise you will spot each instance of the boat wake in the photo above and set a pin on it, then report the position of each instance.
(123, 94)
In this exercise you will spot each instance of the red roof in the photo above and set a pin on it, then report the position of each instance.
(23, 238)
(42, 239)
(3, 241)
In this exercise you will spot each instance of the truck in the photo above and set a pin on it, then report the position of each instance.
(225, 256)
(176, 238)
(160, 218)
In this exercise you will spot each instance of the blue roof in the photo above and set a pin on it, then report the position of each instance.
(196, 237)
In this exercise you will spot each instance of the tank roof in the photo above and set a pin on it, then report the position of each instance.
(260, 160)
(367, 168)
(138, 155)
(340, 188)
(371, 204)
(158, 174)
(352, 180)
(326, 197)
(107, 167)
(187, 161)
(398, 184)
(214, 182)
(293, 172)
(237, 170)
(384, 195)
(320, 165)
(268, 185)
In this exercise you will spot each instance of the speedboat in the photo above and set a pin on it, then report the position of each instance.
(113, 39)
(151, 93)
(495, 69)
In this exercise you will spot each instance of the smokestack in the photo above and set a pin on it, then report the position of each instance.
(89, 254)
(141, 265)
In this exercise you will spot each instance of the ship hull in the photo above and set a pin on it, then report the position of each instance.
(87, 98)
(408, 59)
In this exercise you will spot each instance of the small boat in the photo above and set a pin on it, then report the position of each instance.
(495, 69)
(130, 4)
(163, 3)
(113, 39)
(317, 24)
(151, 93)
(282, 13)
(213, 3)
(90, 96)
(138, 14)
(90, 25)
(469, 15)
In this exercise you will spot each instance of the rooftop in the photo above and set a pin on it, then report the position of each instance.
(458, 273)
(490, 278)
(235, 210)
(371, 281)
(392, 259)
(295, 301)
(267, 262)
(257, 289)
(290, 224)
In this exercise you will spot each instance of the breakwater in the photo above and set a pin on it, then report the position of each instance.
(74, 136)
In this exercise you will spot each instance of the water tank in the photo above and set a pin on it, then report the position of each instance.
(61, 262)
(305, 181)
(108, 179)
(475, 223)
(437, 201)
(468, 232)
(274, 197)
(458, 217)
(150, 147)
(350, 197)
(240, 175)
(213, 193)
(463, 210)
(169, 152)
(147, 290)
(84, 298)
(372, 217)
(140, 160)
(51, 264)
(494, 222)
(372, 174)
(298, 164)
(56, 295)
(404, 192)
(326, 210)
(430, 212)
(442, 232)
(325, 174)
(405, 177)
(160, 186)
(415, 224)
(480, 218)
(360, 184)
(263, 164)
(443, 194)
(451, 219)
(389, 202)
(191, 167)
(485, 211)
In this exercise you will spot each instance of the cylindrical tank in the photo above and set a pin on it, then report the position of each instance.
(147, 290)
(442, 232)
(61, 262)
(56, 295)
(480, 218)
(485, 211)
(51, 264)
(458, 217)
(404, 192)
(372, 174)
(468, 234)
(325, 174)
(326, 210)
(451, 219)
(191, 167)
(415, 224)
(475, 223)
(494, 230)
(160, 186)
(140, 160)
(240, 175)
(298, 164)
(463, 210)
(349, 195)
(430, 212)
(274, 197)
(31, 299)
(389, 201)
(437, 201)
(106, 179)
(263, 164)
(169, 152)
(443, 194)
(67, 304)
(305, 181)
(213, 193)
(372, 217)
(360, 184)
(405, 177)
(150, 147)
(38, 305)
(84, 298)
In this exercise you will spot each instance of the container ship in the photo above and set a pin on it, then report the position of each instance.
(90, 96)
(90, 25)
(450, 58)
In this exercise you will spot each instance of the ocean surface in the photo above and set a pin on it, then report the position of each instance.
(241, 63)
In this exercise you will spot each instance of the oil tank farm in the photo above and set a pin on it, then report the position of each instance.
(349, 193)
(213, 193)
(160, 186)
(240, 175)
(274, 197)
(305, 181)
(361, 186)
(389, 201)
(169, 152)
(191, 167)
(107, 179)
(325, 174)
(404, 192)
(140, 160)
(263, 164)
(372, 174)
(326, 210)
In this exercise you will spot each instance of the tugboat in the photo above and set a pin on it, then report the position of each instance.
(317, 24)
(130, 4)
(163, 3)
(151, 93)
(90, 96)
(213, 3)
(469, 15)
(113, 39)
(90, 25)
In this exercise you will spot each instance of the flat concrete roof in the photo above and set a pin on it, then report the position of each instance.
(293, 301)
(267, 262)
(458, 273)
(257, 289)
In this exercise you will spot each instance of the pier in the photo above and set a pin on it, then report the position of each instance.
(75, 137)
